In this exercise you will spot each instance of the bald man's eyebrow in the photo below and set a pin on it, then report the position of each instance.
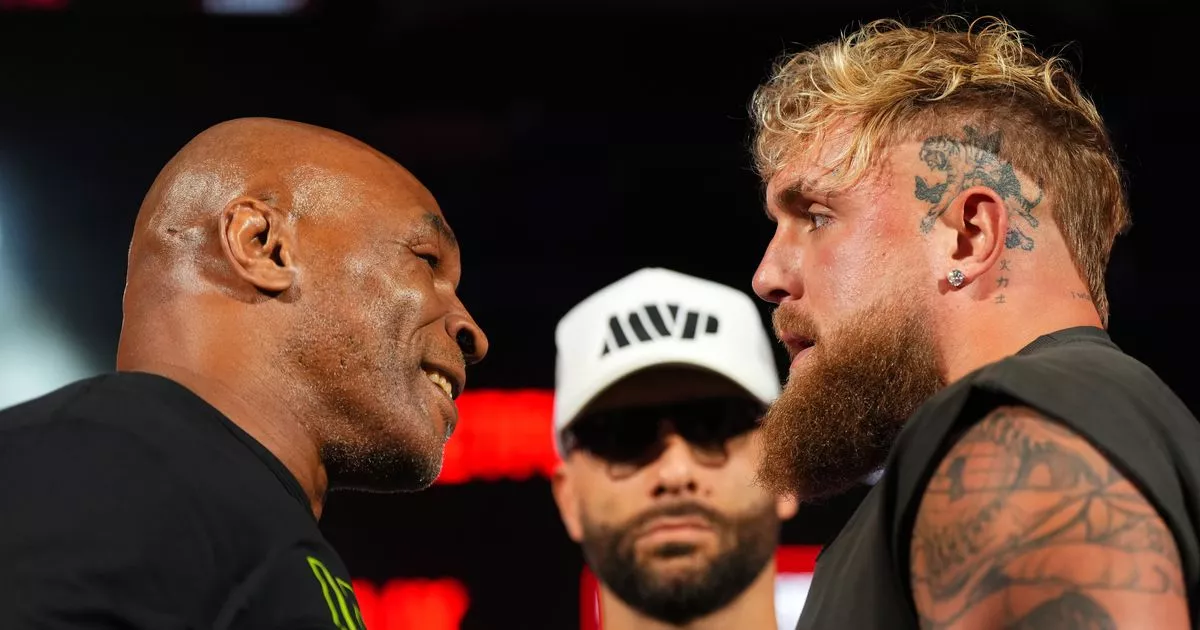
(440, 225)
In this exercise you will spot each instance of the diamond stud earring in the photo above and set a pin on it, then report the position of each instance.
(956, 278)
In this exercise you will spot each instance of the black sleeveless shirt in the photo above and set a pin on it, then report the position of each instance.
(1078, 377)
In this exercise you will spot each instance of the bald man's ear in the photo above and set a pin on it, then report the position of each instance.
(258, 243)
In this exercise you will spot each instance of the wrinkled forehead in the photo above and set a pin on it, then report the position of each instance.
(800, 179)
(826, 170)
(812, 165)
(368, 190)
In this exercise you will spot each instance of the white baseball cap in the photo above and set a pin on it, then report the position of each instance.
(658, 317)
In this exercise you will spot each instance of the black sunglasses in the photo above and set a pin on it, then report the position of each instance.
(636, 435)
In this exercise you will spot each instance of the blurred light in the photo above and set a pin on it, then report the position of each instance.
(794, 566)
(874, 477)
(501, 435)
(37, 355)
(253, 7)
(589, 601)
(791, 591)
(412, 603)
(42, 5)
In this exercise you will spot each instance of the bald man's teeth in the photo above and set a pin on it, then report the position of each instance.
(441, 381)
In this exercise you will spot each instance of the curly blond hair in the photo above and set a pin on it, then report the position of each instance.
(887, 82)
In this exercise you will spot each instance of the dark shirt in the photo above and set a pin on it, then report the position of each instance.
(1077, 377)
(128, 502)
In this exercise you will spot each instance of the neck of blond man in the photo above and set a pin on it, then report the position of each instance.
(1022, 297)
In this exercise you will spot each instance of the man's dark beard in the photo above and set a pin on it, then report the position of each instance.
(747, 544)
(382, 467)
(838, 416)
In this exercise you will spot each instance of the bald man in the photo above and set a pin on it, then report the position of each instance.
(291, 326)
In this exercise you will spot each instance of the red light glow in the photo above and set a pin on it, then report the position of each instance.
(501, 434)
(34, 5)
(404, 604)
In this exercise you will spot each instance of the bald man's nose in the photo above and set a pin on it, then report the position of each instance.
(469, 337)
(676, 468)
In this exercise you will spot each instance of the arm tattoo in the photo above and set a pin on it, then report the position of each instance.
(973, 160)
(1025, 525)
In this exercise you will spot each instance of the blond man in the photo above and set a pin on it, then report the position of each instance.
(946, 199)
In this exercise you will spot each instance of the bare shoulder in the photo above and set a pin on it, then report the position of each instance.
(1024, 524)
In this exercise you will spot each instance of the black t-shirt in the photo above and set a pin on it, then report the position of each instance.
(1076, 376)
(127, 502)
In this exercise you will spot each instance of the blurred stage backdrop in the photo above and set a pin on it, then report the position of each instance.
(569, 142)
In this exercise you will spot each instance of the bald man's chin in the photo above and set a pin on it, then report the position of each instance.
(378, 470)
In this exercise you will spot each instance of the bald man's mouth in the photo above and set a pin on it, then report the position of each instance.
(441, 381)
(449, 380)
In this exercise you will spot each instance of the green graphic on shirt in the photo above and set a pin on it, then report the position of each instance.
(339, 596)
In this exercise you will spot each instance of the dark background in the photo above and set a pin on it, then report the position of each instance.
(568, 142)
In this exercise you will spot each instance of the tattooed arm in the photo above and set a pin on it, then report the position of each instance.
(1025, 525)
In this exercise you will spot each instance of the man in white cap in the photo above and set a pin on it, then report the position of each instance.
(661, 379)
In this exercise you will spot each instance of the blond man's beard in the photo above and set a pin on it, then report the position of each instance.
(837, 417)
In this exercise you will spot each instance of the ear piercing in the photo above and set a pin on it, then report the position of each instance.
(956, 278)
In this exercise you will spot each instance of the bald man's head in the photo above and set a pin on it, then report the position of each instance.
(295, 262)
(298, 169)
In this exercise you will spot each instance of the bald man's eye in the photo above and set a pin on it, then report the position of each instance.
(432, 259)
